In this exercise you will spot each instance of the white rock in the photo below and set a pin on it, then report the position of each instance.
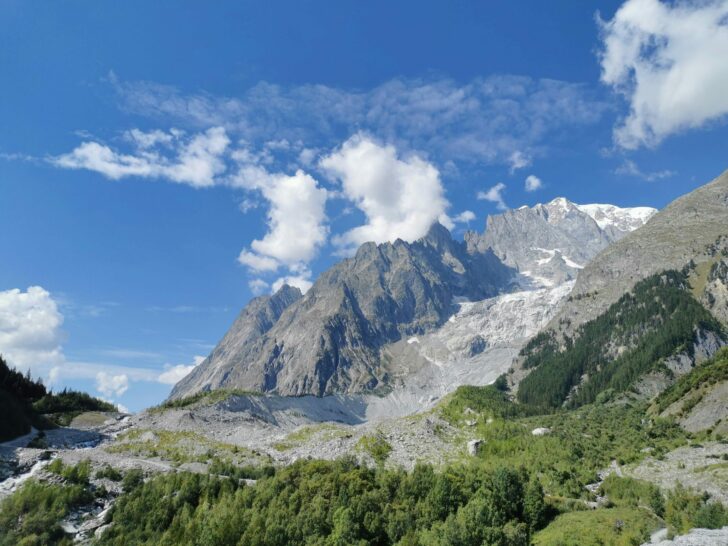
(474, 446)
(541, 431)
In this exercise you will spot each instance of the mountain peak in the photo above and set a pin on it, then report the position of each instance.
(438, 235)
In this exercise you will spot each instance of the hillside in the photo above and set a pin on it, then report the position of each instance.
(683, 231)
(656, 327)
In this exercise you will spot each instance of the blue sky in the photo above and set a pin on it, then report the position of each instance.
(162, 162)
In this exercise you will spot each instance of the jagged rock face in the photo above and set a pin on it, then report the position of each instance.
(329, 340)
(673, 237)
(242, 340)
(715, 294)
(550, 243)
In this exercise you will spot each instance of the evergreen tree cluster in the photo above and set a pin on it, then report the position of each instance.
(334, 503)
(658, 319)
(25, 401)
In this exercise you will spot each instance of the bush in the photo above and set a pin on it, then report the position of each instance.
(377, 446)
(110, 473)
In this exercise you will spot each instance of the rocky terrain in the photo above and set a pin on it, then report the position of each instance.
(551, 242)
(366, 362)
(683, 231)
(347, 333)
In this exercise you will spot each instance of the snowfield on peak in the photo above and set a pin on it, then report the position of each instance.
(623, 219)
(605, 215)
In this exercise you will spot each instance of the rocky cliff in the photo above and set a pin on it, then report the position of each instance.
(329, 340)
(683, 231)
(549, 243)
(347, 333)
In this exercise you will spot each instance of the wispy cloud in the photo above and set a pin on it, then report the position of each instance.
(184, 309)
(630, 168)
(269, 141)
(194, 160)
(494, 195)
(499, 119)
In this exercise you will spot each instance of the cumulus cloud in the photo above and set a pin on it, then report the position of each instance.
(257, 286)
(30, 328)
(464, 217)
(111, 385)
(401, 197)
(670, 62)
(302, 282)
(533, 183)
(296, 223)
(174, 374)
(493, 120)
(630, 168)
(518, 160)
(494, 195)
(195, 161)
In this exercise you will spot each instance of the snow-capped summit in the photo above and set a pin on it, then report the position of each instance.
(550, 242)
(624, 219)
(605, 215)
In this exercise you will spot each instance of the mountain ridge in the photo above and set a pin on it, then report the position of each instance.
(335, 338)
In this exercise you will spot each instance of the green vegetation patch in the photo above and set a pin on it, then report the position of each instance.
(580, 443)
(376, 445)
(686, 510)
(323, 432)
(62, 407)
(181, 447)
(707, 374)
(656, 320)
(605, 527)
(32, 515)
(486, 402)
(203, 398)
(339, 502)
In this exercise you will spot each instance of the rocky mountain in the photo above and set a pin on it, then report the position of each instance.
(643, 312)
(549, 243)
(683, 231)
(329, 340)
(472, 305)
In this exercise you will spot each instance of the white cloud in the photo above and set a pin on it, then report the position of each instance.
(518, 160)
(296, 228)
(257, 286)
(464, 217)
(195, 161)
(494, 195)
(54, 375)
(671, 62)
(174, 374)
(400, 197)
(490, 120)
(302, 282)
(30, 328)
(533, 183)
(630, 168)
(111, 385)
(256, 262)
